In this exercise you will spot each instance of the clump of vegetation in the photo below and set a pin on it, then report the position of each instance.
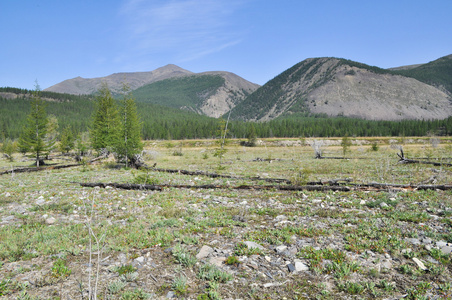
(124, 269)
(232, 260)
(144, 177)
(60, 269)
(9, 147)
(374, 146)
(183, 257)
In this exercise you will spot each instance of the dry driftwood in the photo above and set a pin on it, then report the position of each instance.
(320, 188)
(404, 160)
(47, 167)
(37, 169)
(215, 175)
(159, 187)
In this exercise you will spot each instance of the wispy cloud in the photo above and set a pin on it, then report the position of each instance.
(186, 29)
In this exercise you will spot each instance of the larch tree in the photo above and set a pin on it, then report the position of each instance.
(129, 142)
(34, 136)
(105, 127)
(67, 140)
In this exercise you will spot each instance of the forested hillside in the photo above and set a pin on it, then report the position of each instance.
(160, 122)
(186, 93)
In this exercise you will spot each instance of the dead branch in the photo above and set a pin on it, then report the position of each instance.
(37, 169)
(404, 160)
(215, 175)
(320, 188)
(160, 187)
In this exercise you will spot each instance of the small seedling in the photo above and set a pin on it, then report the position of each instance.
(232, 260)
(60, 269)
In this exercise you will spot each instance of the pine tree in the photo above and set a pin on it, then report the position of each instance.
(129, 142)
(34, 134)
(105, 126)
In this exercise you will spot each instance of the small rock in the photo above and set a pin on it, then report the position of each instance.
(386, 264)
(383, 205)
(280, 218)
(217, 261)
(300, 267)
(427, 240)
(446, 249)
(281, 249)
(252, 245)
(140, 259)
(50, 221)
(8, 218)
(204, 252)
(362, 202)
(40, 201)
(432, 260)
(441, 244)
(122, 258)
(420, 264)
(291, 268)
(413, 241)
(170, 294)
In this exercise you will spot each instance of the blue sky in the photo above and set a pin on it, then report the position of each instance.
(54, 40)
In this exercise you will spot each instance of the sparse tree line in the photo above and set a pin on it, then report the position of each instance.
(114, 128)
(69, 124)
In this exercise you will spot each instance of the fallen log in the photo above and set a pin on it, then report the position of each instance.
(215, 175)
(124, 186)
(47, 167)
(443, 187)
(160, 187)
(37, 169)
(319, 188)
(404, 160)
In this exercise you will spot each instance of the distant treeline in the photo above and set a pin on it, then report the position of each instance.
(161, 122)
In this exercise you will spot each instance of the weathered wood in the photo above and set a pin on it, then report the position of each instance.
(404, 160)
(215, 175)
(320, 188)
(37, 169)
(444, 187)
(160, 187)
(124, 186)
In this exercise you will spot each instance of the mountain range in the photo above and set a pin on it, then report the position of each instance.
(324, 86)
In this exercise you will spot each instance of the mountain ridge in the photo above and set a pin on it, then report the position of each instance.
(86, 86)
(327, 86)
(339, 87)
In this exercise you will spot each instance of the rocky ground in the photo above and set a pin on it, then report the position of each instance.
(218, 243)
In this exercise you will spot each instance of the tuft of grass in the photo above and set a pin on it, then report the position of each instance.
(183, 257)
(212, 273)
(125, 269)
(116, 286)
(180, 284)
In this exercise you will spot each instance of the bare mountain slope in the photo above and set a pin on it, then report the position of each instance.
(361, 93)
(335, 87)
(234, 90)
(115, 81)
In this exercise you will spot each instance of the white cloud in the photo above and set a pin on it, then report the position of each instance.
(186, 29)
